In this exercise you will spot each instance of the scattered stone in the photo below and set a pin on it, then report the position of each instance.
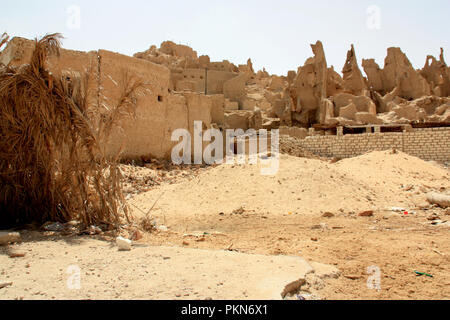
(5, 284)
(196, 234)
(53, 227)
(352, 277)
(368, 213)
(93, 230)
(409, 188)
(441, 200)
(72, 223)
(335, 160)
(328, 215)
(162, 228)
(217, 233)
(437, 222)
(123, 244)
(433, 217)
(319, 226)
(137, 235)
(241, 210)
(13, 255)
(293, 288)
(9, 237)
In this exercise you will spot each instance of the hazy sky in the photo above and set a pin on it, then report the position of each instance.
(275, 34)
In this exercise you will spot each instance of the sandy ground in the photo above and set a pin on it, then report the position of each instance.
(397, 245)
(310, 209)
(85, 268)
(375, 181)
(283, 215)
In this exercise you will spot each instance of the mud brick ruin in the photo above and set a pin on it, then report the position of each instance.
(337, 116)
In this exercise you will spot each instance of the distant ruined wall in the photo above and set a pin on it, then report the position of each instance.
(234, 89)
(427, 144)
(217, 79)
(192, 80)
(195, 80)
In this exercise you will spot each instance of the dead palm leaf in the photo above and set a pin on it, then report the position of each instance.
(51, 164)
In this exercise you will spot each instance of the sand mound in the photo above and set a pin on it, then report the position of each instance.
(389, 170)
(373, 181)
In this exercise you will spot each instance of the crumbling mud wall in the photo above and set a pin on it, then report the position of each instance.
(147, 131)
(144, 132)
(179, 87)
(216, 79)
(427, 144)
(315, 93)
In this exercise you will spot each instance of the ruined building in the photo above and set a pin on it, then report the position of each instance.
(181, 87)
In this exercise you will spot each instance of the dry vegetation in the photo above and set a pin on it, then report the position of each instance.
(3, 39)
(52, 167)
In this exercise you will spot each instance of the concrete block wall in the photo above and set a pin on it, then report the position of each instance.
(427, 144)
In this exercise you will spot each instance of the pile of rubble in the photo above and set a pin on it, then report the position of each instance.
(142, 176)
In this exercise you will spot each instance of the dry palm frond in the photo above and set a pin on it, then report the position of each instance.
(52, 167)
(3, 39)
(48, 45)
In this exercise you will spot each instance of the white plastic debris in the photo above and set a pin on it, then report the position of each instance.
(123, 244)
(7, 237)
(163, 228)
(397, 209)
